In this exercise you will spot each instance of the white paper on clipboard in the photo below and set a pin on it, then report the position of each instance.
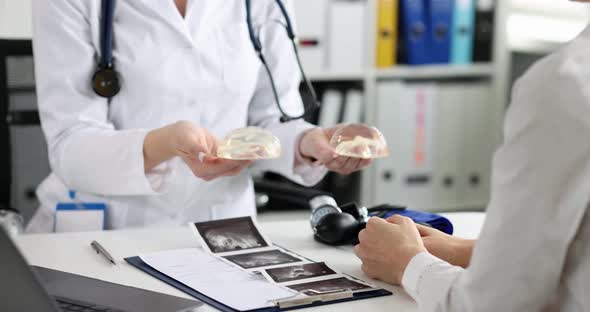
(217, 279)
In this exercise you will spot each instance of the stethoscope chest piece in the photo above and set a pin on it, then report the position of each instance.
(105, 82)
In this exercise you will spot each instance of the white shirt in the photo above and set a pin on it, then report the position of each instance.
(200, 68)
(534, 250)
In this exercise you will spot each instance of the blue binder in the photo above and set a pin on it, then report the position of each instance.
(440, 13)
(462, 32)
(414, 32)
(138, 263)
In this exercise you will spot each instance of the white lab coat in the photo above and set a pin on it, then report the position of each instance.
(201, 68)
(534, 250)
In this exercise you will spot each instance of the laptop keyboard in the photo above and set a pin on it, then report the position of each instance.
(69, 305)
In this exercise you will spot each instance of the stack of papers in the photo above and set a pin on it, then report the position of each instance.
(239, 268)
(239, 242)
(217, 279)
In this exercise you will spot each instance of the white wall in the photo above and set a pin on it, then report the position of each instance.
(543, 25)
(15, 19)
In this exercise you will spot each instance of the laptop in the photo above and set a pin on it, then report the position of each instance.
(31, 288)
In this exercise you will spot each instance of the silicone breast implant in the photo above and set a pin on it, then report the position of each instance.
(249, 143)
(359, 141)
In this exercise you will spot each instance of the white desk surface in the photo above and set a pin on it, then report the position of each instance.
(71, 252)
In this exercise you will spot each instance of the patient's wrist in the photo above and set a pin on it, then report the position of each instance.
(463, 250)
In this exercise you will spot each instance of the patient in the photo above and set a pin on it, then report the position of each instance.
(533, 253)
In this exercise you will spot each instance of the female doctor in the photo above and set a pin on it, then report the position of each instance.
(188, 74)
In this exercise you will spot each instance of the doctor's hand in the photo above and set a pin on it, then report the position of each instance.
(452, 249)
(386, 247)
(195, 145)
(315, 145)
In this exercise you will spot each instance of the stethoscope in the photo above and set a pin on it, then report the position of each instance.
(106, 82)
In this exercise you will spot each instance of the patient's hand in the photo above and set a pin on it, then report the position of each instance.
(454, 250)
(386, 248)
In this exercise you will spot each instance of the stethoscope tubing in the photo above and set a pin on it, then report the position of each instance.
(106, 57)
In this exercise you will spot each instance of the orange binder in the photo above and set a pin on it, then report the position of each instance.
(387, 21)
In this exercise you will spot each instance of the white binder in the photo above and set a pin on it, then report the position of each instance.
(478, 144)
(448, 145)
(453, 131)
(353, 107)
(330, 108)
(406, 118)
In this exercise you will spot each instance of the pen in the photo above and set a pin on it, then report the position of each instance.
(100, 250)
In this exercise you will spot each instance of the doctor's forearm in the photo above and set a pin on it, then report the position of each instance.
(157, 147)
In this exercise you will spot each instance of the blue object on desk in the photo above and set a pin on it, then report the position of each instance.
(434, 220)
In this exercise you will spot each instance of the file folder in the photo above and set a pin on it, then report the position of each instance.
(484, 31)
(281, 306)
(406, 116)
(462, 32)
(330, 109)
(440, 13)
(387, 20)
(414, 48)
(447, 141)
(477, 143)
(445, 146)
(353, 107)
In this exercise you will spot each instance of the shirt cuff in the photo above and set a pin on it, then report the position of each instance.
(116, 170)
(414, 272)
(154, 181)
(289, 134)
(310, 172)
(299, 158)
(159, 177)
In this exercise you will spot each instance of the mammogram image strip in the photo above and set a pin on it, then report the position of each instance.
(262, 259)
(230, 235)
(299, 272)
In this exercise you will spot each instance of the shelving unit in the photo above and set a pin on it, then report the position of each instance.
(337, 76)
(435, 72)
(496, 73)
(482, 70)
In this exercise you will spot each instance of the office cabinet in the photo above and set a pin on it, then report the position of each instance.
(441, 140)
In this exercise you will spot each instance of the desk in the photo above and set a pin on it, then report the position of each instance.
(71, 252)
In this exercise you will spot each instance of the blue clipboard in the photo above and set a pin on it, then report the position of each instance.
(138, 263)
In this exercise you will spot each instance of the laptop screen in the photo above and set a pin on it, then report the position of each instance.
(20, 290)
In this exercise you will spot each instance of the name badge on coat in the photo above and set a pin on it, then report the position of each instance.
(78, 216)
